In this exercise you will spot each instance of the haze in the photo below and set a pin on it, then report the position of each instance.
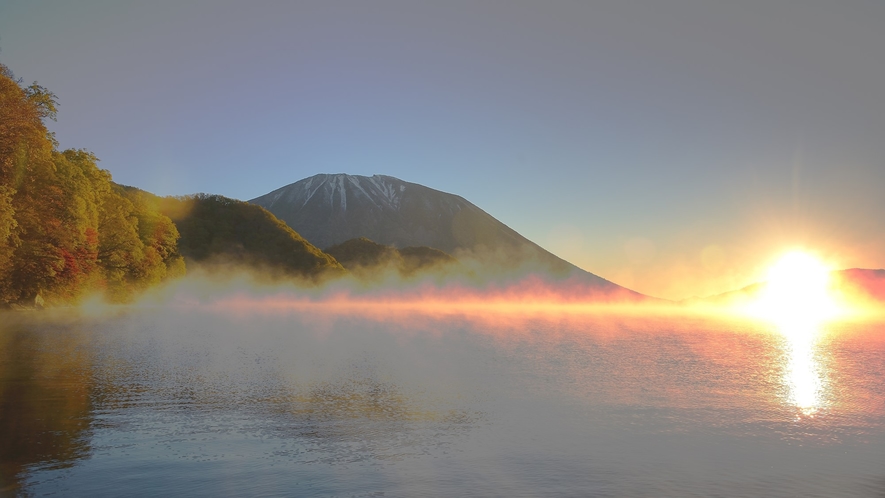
(672, 147)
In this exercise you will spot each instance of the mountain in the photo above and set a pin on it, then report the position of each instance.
(853, 284)
(418, 258)
(864, 283)
(218, 230)
(359, 253)
(330, 209)
(364, 256)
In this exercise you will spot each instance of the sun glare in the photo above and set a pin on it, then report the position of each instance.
(796, 298)
(796, 291)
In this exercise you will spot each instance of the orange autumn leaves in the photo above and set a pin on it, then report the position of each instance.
(65, 229)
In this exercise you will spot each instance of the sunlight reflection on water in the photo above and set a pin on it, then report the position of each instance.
(805, 375)
(202, 403)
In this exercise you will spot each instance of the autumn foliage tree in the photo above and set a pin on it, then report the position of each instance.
(25, 155)
(65, 228)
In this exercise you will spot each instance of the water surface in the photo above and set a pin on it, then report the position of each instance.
(202, 402)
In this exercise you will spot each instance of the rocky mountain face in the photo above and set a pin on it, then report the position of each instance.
(330, 209)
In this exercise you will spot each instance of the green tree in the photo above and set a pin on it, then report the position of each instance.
(65, 228)
(158, 258)
(216, 230)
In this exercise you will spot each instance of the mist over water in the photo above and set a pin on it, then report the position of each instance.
(242, 394)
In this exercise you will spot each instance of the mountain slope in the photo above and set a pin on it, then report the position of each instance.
(364, 256)
(862, 283)
(218, 230)
(361, 252)
(330, 209)
(854, 283)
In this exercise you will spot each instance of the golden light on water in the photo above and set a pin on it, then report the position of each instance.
(797, 300)
(803, 372)
(795, 303)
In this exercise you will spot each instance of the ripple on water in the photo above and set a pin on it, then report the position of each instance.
(199, 405)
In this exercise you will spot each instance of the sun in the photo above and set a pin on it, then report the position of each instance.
(797, 291)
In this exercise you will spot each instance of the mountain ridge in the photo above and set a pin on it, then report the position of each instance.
(328, 209)
(865, 282)
(219, 231)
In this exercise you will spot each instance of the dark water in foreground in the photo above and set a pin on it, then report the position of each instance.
(181, 402)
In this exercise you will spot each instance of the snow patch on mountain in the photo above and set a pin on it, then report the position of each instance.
(328, 209)
(355, 181)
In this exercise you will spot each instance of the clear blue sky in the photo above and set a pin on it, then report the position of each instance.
(671, 146)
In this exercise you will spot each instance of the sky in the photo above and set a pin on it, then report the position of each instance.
(673, 147)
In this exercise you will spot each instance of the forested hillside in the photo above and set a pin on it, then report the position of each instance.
(365, 258)
(216, 230)
(65, 230)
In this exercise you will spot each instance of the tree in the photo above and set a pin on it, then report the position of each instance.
(25, 166)
(65, 228)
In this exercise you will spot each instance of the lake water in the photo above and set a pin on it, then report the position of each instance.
(208, 401)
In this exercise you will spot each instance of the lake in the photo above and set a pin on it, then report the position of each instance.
(206, 400)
